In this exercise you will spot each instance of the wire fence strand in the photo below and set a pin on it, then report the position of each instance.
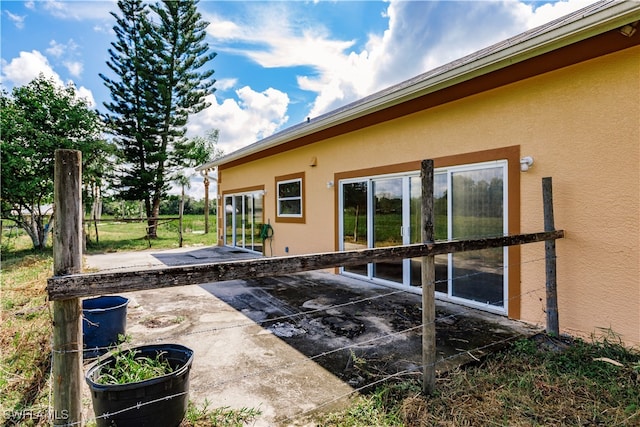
(354, 345)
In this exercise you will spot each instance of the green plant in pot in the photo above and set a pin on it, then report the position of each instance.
(141, 386)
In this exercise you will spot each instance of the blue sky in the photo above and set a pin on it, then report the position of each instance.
(278, 61)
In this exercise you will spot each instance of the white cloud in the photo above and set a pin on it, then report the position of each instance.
(274, 38)
(55, 49)
(60, 49)
(28, 66)
(222, 29)
(421, 35)
(242, 121)
(84, 93)
(79, 10)
(74, 67)
(225, 84)
(18, 20)
(66, 50)
(547, 12)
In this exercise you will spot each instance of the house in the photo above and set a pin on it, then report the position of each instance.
(560, 101)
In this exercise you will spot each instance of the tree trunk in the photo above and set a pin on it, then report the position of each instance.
(32, 230)
(41, 232)
(152, 222)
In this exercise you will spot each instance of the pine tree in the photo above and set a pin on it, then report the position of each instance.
(182, 55)
(159, 82)
(131, 118)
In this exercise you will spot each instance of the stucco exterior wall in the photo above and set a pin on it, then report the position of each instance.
(581, 124)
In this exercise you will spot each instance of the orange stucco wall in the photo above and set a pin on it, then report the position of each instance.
(581, 124)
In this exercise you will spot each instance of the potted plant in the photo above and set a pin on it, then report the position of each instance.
(141, 386)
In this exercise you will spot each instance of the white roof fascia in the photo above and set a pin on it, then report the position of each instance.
(590, 24)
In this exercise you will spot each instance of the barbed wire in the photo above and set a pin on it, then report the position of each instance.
(272, 369)
(327, 308)
(385, 379)
(412, 370)
(137, 406)
(360, 344)
(315, 357)
(354, 345)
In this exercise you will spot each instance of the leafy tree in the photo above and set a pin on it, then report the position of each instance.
(202, 149)
(160, 67)
(37, 119)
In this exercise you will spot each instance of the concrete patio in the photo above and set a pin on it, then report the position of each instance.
(293, 345)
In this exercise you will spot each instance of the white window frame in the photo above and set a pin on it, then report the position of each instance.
(448, 170)
(280, 199)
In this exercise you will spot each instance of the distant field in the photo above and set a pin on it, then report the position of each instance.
(115, 236)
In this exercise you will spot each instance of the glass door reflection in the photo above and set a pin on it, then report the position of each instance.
(387, 225)
(355, 221)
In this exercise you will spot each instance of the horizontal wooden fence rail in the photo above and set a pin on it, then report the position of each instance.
(90, 284)
(130, 219)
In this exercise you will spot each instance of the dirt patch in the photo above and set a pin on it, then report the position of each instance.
(162, 321)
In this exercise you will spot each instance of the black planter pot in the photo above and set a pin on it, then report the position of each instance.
(158, 402)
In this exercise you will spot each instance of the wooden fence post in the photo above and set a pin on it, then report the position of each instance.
(428, 283)
(67, 314)
(553, 325)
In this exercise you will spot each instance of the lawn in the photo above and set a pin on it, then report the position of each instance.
(536, 382)
(25, 337)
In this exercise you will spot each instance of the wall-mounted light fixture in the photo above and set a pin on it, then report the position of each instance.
(526, 163)
(313, 162)
(629, 30)
(329, 184)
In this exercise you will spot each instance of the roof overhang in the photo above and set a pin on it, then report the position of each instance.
(591, 21)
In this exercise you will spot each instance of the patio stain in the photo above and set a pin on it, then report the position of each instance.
(377, 330)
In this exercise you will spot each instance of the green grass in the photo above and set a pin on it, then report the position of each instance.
(26, 332)
(530, 384)
(533, 383)
(114, 236)
(25, 336)
(206, 415)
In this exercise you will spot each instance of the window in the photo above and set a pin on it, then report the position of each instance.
(290, 198)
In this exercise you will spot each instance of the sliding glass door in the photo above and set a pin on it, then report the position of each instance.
(243, 219)
(469, 202)
(374, 214)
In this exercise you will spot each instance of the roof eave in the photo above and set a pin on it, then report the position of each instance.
(613, 17)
